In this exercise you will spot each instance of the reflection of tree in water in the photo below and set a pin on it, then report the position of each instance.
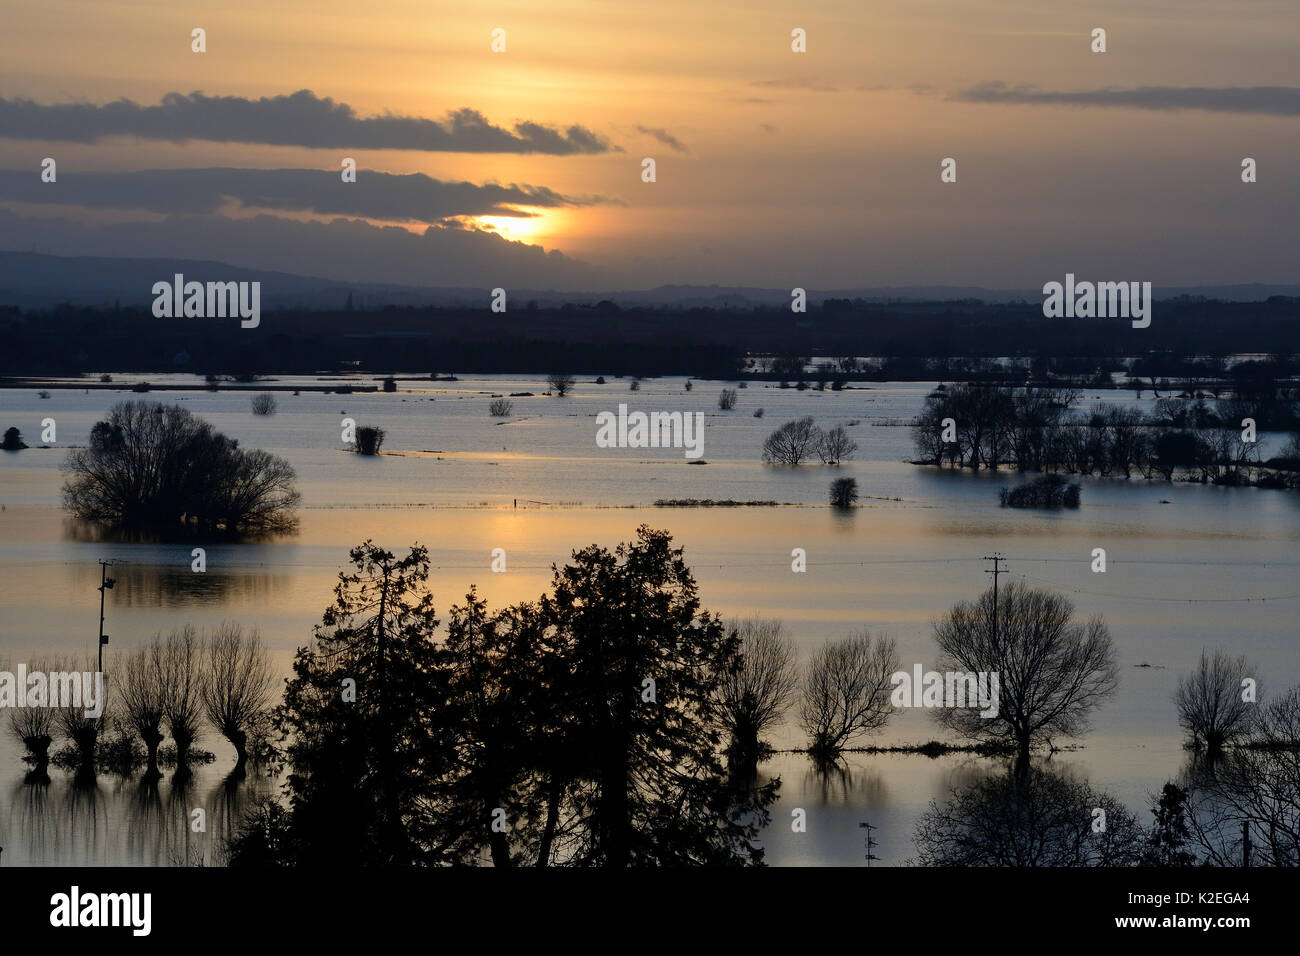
(171, 583)
(29, 819)
(227, 803)
(85, 824)
(124, 819)
(1253, 788)
(1031, 818)
(838, 782)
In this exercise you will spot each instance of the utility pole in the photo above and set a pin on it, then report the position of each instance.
(105, 583)
(997, 560)
(869, 843)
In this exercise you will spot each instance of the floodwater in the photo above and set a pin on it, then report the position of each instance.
(1187, 566)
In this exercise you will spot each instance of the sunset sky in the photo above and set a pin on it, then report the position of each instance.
(774, 168)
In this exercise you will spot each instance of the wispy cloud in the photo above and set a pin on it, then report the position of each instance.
(809, 84)
(665, 137)
(1263, 100)
(296, 119)
(375, 195)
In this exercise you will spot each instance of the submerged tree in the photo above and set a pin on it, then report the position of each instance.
(76, 721)
(1052, 670)
(1252, 789)
(142, 691)
(759, 690)
(792, 442)
(561, 383)
(182, 701)
(155, 465)
(236, 688)
(846, 692)
(34, 728)
(1210, 700)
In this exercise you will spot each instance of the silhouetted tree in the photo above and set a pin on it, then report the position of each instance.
(560, 383)
(155, 465)
(836, 446)
(182, 702)
(846, 692)
(646, 666)
(35, 727)
(1209, 700)
(1167, 845)
(355, 716)
(368, 439)
(793, 442)
(759, 690)
(236, 687)
(844, 491)
(142, 690)
(1052, 671)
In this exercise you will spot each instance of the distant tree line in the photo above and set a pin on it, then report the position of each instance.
(704, 342)
(1035, 429)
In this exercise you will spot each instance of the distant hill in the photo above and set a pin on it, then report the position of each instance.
(34, 280)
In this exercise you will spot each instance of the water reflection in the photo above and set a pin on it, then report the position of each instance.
(146, 583)
(126, 820)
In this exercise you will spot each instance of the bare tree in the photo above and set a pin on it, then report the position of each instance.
(182, 669)
(141, 689)
(77, 725)
(560, 383)
(1052, 671)
(35, 727)
(836, 446)
(727, 399)
(1253, 789)
(1209, 700)
(1042, 819)
(756, 695)
(846, 692)
(501, 407)
(264, 404)
(792, 442)
(236, 687)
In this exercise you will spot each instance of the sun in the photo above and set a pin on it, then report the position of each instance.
(522, 228)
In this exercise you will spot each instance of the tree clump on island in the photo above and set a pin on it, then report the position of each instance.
(13, 440)
(156, 466)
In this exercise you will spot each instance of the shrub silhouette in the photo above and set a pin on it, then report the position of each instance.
(844, 491)
(369, 439)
